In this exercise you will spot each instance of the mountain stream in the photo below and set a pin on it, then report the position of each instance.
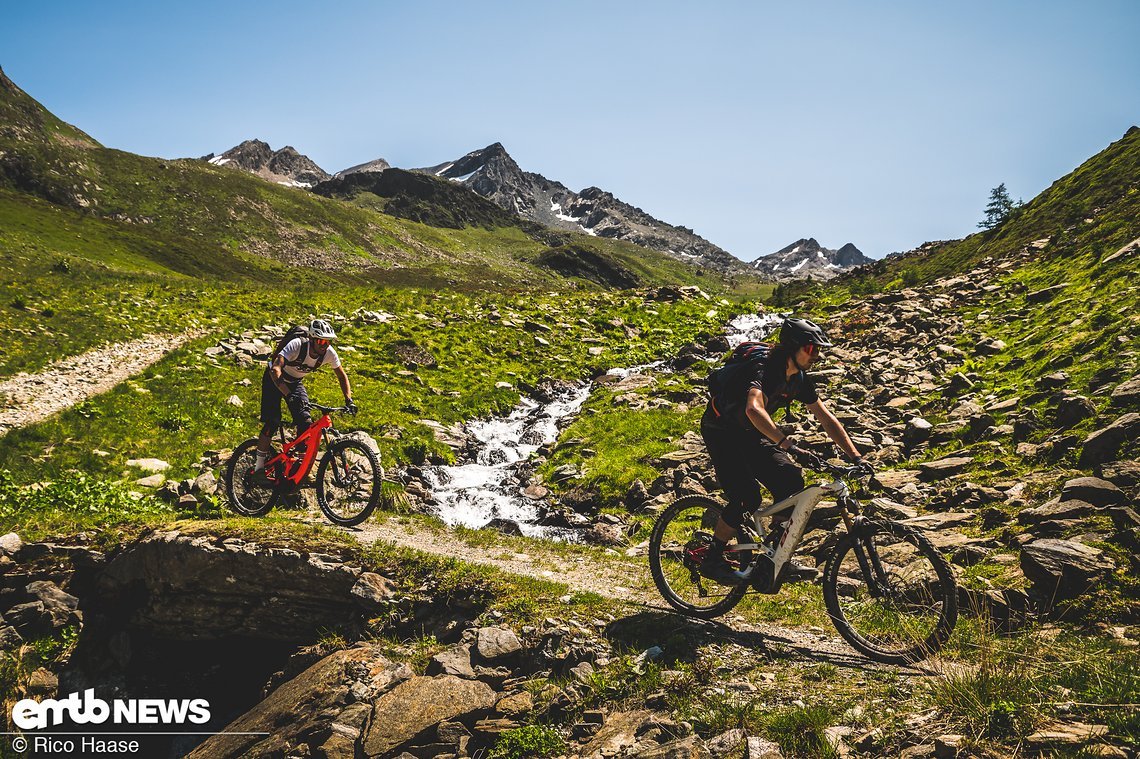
(487, 487)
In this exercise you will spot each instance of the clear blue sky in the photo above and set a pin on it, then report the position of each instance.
(879, 123)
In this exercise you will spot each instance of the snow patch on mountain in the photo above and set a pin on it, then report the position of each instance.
(807, 259)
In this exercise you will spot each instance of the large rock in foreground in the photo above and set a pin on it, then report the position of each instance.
(314, 703)
(1062, 569)
(420, 703)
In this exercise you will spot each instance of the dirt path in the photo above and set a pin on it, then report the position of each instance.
(28, 398)
(628, 580)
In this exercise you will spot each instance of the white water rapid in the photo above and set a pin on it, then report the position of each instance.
(474, 493)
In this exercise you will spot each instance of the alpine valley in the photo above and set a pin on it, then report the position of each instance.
(530, 366)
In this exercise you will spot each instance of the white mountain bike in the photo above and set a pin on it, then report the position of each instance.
(888, 592)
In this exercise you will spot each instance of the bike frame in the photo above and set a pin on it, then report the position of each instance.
(802, 504)
(312, 437)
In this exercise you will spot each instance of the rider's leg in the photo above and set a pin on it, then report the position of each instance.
(781, 475)
(298, 403)
(270, 418)
(730, 450)
(776, 470)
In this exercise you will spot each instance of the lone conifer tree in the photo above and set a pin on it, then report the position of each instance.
(1001, 207)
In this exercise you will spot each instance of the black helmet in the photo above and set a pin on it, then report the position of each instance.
(796, 333)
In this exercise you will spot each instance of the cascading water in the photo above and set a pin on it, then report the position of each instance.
(473, 494)
(487, 488)
(752, 327)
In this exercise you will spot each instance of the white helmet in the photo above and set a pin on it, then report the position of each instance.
(320, 329)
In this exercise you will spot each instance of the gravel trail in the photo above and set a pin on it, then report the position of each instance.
(628, 580)
(29, 398)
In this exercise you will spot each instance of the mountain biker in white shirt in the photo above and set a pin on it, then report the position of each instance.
(283, 379)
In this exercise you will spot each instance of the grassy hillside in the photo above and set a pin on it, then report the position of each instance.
(99, 245)
(1091, 212)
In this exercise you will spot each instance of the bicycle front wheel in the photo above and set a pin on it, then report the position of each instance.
(246, 494)
(681, 537)
(348, 482)
(890, 594)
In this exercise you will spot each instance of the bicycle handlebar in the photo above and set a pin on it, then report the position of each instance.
(327, 409)
(821, 466)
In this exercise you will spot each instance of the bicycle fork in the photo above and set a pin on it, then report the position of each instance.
(868, 558)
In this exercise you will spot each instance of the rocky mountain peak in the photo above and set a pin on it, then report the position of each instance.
(493, 159)
(494, 174)
(285, 166)
(377, 166)
(807, 259)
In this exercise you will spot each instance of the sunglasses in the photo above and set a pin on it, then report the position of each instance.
(320, 342)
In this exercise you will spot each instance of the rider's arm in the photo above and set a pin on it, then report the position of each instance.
(342, 378)
(834, 429)
(275, 375)
(758, 414)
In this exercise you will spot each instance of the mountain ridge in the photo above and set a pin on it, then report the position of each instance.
(285, 166)
(493, 173)
(807, 259)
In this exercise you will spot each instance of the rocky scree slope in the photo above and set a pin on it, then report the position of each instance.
(1023, 472)
(807, 259)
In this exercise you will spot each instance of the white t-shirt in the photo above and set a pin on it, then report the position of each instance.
(300, 347)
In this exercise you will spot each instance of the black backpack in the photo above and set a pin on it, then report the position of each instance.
(297, 330)
(728, 384)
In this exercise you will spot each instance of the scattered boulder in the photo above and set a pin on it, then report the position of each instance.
(454, 661)
(682, 748)
(1094, 490)
(373, 590)
(1054, 381)
(417, 704)
(1127, 394)
(1045, 294)
(1062, 569)
(605, 534)
(944, 467)
(493, 643)
(60, 606)
(1054, 510)
(1104, 444)
(1064, 734)
(917, 431)
(30, 620)
(1072, 410)
(10, 544)
(149, 465)
(760, 748)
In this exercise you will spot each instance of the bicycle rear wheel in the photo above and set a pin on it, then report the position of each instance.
(244, 493)
(890, 594)
(681, 537)
(348, 482)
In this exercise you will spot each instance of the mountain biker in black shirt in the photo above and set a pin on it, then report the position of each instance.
(747, 448)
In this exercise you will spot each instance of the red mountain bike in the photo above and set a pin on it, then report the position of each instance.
(349, 476)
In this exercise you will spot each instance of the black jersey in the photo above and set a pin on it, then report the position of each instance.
(771, 377)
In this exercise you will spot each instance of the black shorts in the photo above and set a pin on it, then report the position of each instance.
(743, 459)
(297, 400)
